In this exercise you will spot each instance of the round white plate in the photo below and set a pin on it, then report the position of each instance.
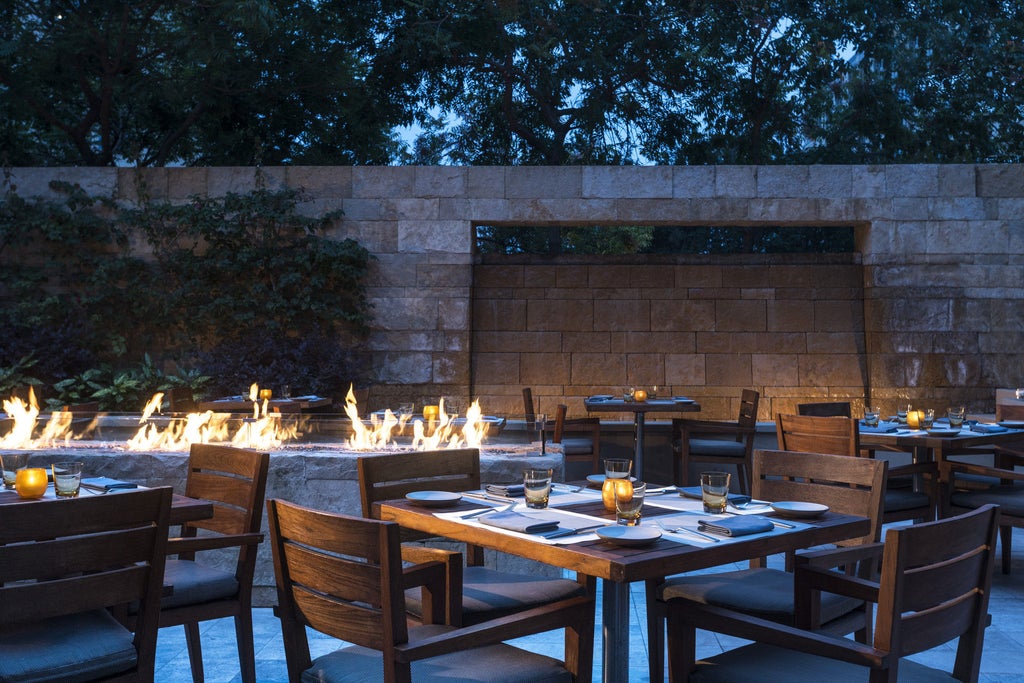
(943, 432)
(433, 499)
(628, 535)
(598, 479)
(683, 399)
(789, 508)
(1012, 424)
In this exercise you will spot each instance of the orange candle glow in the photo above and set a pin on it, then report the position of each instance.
(915, 418)
(30, 482)
(430, 412)
(640, 395)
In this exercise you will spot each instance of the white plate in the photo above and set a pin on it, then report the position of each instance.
(789, 508)
(1012, 424)
(598, 479)
(683, 399)
(628, 535)
(943, 432)
(433, 499)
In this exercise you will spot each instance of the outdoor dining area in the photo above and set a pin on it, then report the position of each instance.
(845, 547)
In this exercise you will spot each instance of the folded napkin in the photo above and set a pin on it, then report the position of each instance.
(506, 490)
(882, 428)
(987, 429)
(694, 492)
(513, 521)
(736, 526)
(601, 397)
(107, 484)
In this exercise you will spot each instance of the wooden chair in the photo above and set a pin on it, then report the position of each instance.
(235, 481)
(825, 409)
(487, 593)
(731, 444)
(343, 576)
(851, 486)
(840, 436)
(934, 587)
(967, 485)
(578, 448)
(63, 565)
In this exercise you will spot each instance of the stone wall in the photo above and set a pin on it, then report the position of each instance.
(932, 312)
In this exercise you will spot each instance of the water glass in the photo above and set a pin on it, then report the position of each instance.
(67, 479)
(405, 410)
(617, 468)
(629, 502)
(714, 491)
(955, 415)
(537, 487)
(901, 412)
(10, 463)
(627, 394)
(928, 419)
(871, 416)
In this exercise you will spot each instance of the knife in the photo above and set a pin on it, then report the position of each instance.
(559, 533)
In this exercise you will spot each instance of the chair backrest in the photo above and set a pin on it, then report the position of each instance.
(84, 554)
(528, 409)
(935, 585)
(235, 481)
(851, 486)
(560, 412)
(825, 409)
(836, 435)
(340, 575)
(391, 476)
(748, 408)
(1009, 411)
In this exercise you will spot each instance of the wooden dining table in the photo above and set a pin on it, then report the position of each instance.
(602, 404)
(935, 446)
(183, 508)
(618, 566)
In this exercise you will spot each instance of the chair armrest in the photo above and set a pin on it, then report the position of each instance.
(577, 613)
(951, 467)
(193, 544)
(721, 620)
(439, 573)
(836, 557)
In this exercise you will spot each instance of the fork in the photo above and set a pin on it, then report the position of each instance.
(681, 529)
(477, 513)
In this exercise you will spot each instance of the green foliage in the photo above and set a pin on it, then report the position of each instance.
(16, 376)
(221, 272)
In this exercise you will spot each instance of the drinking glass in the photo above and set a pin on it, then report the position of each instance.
(955, 414)
(871, 416)
(629, 501)
(614, 469)
(627, 393)
(901, 412)
(714, 491)
(10, 463)
(67, 479)
(537, 487)
(928, 419)
(405, 410)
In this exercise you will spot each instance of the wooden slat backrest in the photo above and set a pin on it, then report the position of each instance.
(391, 476)
(935, 585)
(825, 409)
(234, 480)
(84, 554)
(340, 575)
(852, 486)
(747, 418)
(813, 434)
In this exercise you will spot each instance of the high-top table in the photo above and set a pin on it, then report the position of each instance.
(639, 409)
(618, 566)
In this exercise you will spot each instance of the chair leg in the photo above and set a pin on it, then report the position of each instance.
(655, 631)
(682, 646)
(1005, 537)
(246, 646)
(195, 651)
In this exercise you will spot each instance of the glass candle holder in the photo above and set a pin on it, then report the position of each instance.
(31, 482)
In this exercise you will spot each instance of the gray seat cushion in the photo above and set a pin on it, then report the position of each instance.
(1009, 498)
(577, 446)
(904, 499)
(717, 447)
(494, 663)
(487, 594)
(195, 583)
(759, 663)
(77, 647)
(762, 592)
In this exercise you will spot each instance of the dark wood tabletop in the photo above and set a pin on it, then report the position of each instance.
(618, 566)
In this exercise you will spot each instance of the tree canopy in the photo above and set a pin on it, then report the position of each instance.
(249, 82)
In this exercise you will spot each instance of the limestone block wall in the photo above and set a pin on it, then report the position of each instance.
(941, 252)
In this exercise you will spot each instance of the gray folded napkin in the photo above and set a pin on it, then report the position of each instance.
(987, 429)
(507, 490)
(107, 484)
(513, 521)
(736, 526)
(695, 493)
(882, 428)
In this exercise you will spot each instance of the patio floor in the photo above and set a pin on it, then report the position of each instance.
(1002, 661)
